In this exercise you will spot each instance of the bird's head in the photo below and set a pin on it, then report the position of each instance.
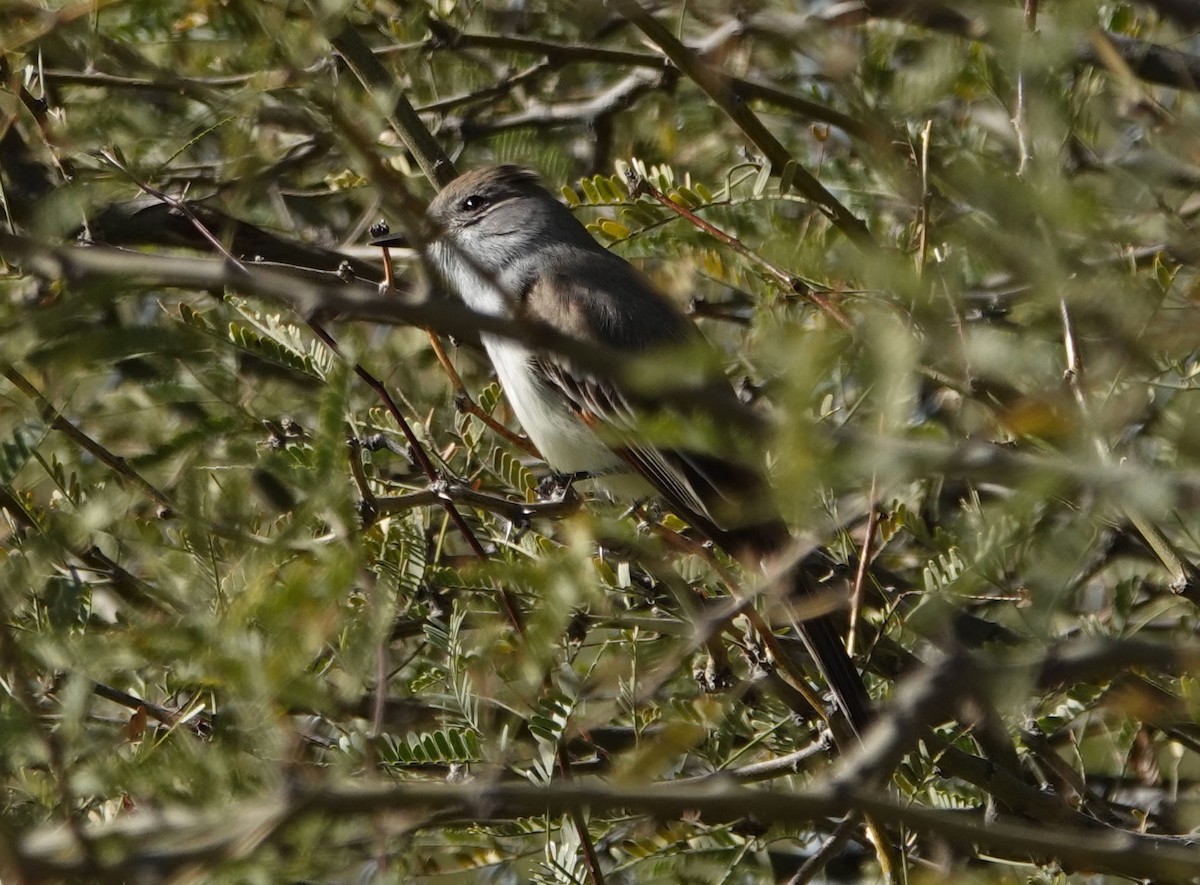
(498, 215)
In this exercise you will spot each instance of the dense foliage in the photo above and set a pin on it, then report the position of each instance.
(283, 598)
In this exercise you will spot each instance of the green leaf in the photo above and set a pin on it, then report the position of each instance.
(590, 190)
(15, 453)
(613, 229)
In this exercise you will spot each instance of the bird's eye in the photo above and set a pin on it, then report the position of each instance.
(473, 203)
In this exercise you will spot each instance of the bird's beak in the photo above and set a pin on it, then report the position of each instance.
(391, 240)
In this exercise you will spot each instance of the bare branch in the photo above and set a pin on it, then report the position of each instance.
(134, 841)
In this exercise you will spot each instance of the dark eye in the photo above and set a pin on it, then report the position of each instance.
(473, 203)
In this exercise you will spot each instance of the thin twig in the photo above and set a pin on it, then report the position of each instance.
(926, 199)
(639, 185)
(1185, 576)
(465, 403)
(828, 850)
(426, 465)
(716, 86)
(116, 464)
(199, 725)
(378, 83)
(1019, 119)
(516, 512)
(860, 574)
(588, 112)
(557, 54)
(178, 205)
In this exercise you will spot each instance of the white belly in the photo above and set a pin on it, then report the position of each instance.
(567, 444)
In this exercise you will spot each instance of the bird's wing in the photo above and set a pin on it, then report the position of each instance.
(593, 298)
(705, 489)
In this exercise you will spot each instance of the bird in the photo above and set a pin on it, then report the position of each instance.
(509, 248)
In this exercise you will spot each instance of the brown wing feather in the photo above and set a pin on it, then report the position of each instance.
(599, 403)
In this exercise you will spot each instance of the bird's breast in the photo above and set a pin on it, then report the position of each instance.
(567, 444)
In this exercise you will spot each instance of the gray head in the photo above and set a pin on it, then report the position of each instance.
(495, 228)
(499, 214)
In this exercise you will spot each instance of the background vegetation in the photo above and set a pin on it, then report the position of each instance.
(959, 280)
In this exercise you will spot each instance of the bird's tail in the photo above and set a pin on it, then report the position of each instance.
(821, 636)
(819, 632)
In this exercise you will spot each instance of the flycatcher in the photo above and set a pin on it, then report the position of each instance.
(509, 248)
